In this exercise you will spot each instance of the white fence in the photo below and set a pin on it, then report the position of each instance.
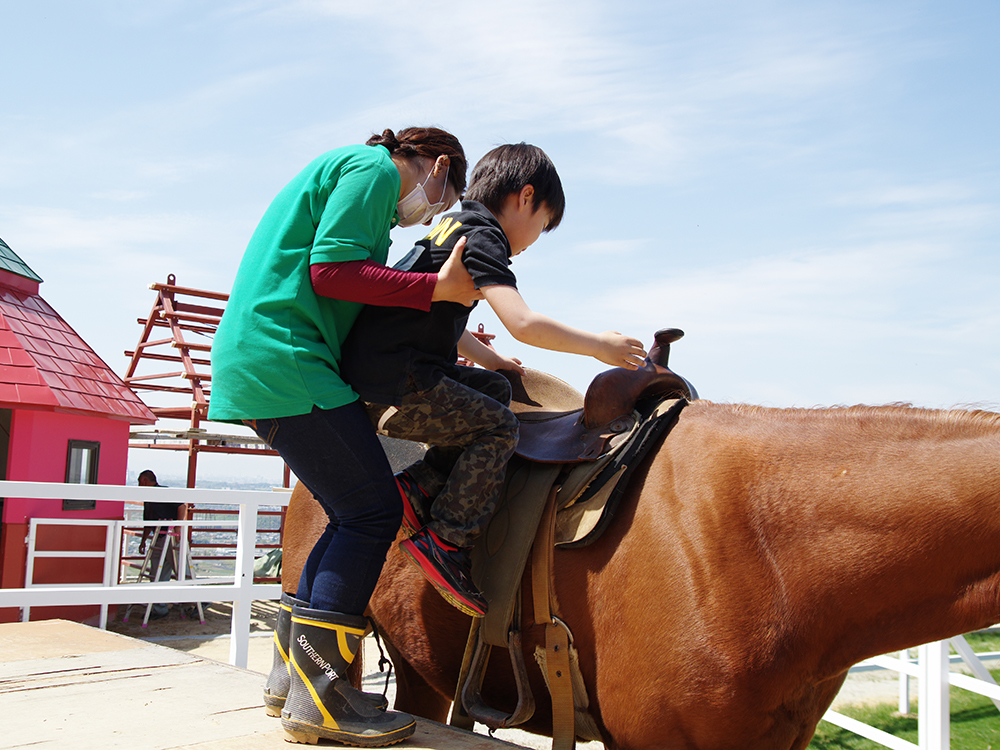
(114, 533)
(241, 591)
(934, 680)
(931, 667)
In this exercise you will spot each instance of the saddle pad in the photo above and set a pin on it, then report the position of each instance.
(591, 490)
(586, 513)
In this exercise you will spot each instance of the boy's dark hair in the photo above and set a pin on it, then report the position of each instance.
(429, 142)
(507, 169)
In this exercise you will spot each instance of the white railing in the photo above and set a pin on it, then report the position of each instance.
(108, 554)
(241, 592)
(934, 680)
(114, 533)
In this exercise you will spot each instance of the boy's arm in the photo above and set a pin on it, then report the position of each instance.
(539, 330)
(486, 357)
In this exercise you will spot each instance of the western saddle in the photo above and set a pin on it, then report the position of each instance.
(573, 460)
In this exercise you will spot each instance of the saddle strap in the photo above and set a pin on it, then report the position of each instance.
(557, 653)
(459, 716)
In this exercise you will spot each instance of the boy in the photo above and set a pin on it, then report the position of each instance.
(403, 363)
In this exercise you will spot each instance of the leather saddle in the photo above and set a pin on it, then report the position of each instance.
(583, 467)
(558, 425)
(575, 455)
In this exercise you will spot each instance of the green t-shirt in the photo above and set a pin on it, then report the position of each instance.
(277, 350)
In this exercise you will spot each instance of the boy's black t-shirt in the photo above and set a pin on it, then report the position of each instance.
(387, 345)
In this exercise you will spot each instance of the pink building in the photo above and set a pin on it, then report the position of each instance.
(64, 417)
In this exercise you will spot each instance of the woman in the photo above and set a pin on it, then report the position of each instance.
(317, 255)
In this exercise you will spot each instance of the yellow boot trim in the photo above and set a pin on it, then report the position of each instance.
(277, 645)
(342, 632)
(328, 720)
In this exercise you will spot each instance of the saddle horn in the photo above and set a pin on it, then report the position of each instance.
(659, 354)
(615, 392)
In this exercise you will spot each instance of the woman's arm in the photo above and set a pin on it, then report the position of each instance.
(374, 284)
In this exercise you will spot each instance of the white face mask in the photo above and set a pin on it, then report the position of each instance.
(415, 208)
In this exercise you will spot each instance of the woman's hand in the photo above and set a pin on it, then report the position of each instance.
(454, 283)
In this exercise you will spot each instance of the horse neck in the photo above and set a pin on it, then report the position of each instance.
(882, 524)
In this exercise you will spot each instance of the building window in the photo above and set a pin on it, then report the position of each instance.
(81, 468)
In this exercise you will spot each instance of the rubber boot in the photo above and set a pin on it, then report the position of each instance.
(276, 689)
(321, 701)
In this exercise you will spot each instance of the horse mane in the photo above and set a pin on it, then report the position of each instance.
(895, 417)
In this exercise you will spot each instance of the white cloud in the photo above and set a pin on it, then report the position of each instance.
(792, 292)
(935, 219)
(876, 323)
(915, 195)
(594, 72)
(58, 231)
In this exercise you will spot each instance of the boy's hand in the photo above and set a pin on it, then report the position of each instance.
(620, 351)
(454, 283)
(509, 363)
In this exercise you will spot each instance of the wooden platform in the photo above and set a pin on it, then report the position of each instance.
(66, 685)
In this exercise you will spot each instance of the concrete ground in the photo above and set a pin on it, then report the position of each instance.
(63, 684)
(211, 641)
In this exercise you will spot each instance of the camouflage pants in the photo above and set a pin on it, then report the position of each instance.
(472, 435)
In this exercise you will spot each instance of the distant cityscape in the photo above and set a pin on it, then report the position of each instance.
(208, 483)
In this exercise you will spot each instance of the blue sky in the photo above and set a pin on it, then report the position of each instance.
(811, 190)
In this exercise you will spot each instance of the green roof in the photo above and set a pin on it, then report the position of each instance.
(10, 262)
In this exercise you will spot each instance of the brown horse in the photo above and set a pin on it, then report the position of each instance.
(756, 556)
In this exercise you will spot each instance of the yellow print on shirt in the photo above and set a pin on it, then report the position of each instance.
(444, 228)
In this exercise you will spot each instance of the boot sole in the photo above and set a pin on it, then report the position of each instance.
(273, 704)
(307, 734)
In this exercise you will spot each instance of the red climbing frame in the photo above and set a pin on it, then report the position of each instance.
(187, 318)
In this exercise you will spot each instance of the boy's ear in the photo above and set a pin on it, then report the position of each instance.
(526, 198)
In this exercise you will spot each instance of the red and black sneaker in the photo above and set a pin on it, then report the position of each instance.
(448, 568)
(414, 500)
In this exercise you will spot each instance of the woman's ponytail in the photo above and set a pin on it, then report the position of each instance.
(387, 139)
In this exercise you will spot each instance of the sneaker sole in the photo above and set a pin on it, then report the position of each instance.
(411, 522)
(442, 587)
